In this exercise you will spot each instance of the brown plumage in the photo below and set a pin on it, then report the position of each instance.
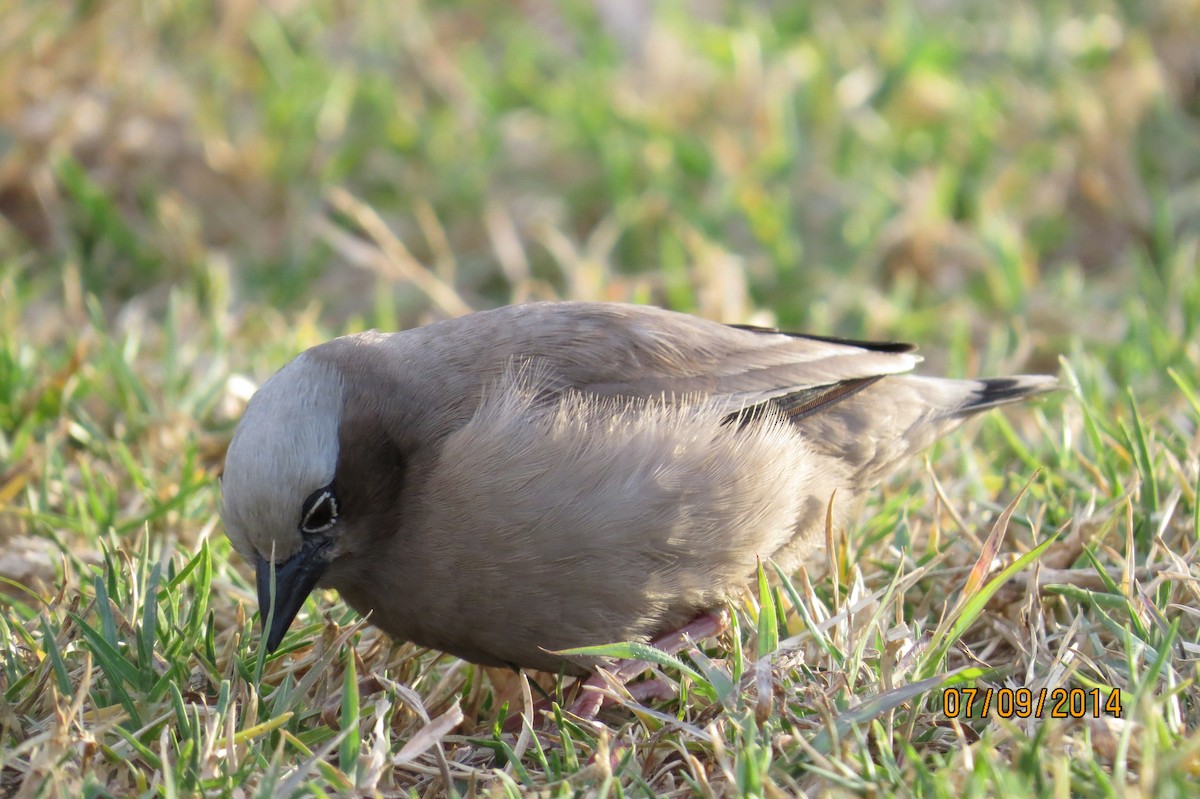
(555, 475)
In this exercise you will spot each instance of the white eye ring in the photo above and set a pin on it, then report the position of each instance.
(315, 505)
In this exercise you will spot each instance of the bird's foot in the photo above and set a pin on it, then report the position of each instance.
(596, 692)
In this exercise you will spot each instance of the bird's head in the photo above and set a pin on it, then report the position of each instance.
(280, 496)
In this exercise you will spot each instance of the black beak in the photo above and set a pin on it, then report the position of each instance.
(295, 578)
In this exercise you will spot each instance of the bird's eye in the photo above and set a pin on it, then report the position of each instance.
(320, 511)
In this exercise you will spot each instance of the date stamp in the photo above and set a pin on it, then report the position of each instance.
(1024, 703)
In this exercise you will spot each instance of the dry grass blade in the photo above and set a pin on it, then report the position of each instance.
(414, 701)
(390, 257)
(429, 735)
(972, 602)
(991, 547)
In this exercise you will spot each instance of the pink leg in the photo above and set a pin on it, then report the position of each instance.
(592, 697)
(651, 688)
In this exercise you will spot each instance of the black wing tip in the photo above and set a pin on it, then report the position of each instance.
(993, 391)
(873, 346)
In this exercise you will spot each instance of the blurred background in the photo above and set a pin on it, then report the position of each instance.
(999, 181)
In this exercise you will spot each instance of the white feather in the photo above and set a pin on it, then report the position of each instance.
(285, 447)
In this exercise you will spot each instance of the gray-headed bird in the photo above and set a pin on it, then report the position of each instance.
(541, 477)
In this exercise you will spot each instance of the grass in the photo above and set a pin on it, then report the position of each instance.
(191, 195)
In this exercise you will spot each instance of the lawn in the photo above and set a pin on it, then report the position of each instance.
(192, 193)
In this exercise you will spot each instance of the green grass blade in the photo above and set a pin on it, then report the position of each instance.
(768, 624)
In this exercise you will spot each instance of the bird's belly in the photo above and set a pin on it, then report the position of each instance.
(488, 631)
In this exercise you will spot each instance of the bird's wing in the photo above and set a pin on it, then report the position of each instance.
(626, 350)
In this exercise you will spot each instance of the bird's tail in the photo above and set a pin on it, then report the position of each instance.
(990, 392)
(874, 429)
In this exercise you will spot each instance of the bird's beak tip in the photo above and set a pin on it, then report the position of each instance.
(272, 642)
(294, 579)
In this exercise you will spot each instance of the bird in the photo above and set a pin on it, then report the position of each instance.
(514, 483)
